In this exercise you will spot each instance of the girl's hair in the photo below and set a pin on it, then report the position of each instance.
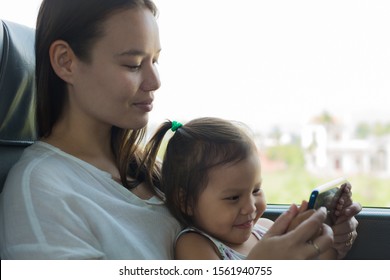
(80, 24)
(193, 150)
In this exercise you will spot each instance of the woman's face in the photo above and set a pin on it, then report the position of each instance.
(116, 87)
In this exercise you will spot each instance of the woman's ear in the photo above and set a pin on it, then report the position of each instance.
(62, 59)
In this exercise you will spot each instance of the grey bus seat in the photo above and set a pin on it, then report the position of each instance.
(17, 93)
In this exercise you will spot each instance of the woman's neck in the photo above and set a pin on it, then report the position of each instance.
(91, 144)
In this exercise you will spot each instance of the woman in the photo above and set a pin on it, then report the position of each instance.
(79, 192)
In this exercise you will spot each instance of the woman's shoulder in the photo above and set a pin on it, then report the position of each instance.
(39, 166)
(36, 159)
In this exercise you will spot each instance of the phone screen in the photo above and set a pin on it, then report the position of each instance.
(327, 198)
(327, 194)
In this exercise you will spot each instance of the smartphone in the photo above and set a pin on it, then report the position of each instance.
(327, 194)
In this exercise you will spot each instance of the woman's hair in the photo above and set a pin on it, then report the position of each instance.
(80, 23)
(191, 153)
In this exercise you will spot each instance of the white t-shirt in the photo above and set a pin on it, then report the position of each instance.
(56, 206)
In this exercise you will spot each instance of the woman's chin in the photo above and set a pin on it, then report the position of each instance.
(136, 124)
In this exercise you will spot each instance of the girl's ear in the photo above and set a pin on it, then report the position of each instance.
(62, 59)
(188, 209)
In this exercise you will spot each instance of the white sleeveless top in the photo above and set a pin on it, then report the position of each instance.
(225, 252)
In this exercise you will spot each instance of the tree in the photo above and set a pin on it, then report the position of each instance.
(362, 130)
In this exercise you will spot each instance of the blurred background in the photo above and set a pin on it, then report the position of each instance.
(310, 78)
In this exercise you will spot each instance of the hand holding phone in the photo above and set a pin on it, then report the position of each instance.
(334, 195)
(303, 214)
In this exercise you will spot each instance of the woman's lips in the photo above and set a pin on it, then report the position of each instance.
(144, 106)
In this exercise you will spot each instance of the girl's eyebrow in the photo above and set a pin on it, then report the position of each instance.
(235, 190)
(230, 189)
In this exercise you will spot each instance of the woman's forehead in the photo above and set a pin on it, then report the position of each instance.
(132, 29)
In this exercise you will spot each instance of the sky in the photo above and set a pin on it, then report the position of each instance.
(266, 63)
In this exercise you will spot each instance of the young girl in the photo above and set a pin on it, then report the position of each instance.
(211, 176)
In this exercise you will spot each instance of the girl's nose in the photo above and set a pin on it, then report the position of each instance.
(248, 207)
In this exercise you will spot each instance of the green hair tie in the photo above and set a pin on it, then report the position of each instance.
(175, 126)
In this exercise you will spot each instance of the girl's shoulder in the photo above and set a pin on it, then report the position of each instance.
(265, 223)
(193, 244)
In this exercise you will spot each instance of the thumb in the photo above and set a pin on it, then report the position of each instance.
(281, 224)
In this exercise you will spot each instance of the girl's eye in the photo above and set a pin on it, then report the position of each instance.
(232, 198)
(256, 191)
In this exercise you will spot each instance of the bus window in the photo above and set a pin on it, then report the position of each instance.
(308, 77)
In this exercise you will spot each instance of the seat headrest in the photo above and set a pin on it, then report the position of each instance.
(17, 84)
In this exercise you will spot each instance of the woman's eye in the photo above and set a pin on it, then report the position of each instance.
(133, 67)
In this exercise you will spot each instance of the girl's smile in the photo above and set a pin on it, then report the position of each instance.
(245, 225)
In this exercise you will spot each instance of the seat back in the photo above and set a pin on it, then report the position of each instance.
(17, 93)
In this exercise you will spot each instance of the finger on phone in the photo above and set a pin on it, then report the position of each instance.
(281, 224)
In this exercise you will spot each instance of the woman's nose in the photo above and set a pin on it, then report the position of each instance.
(151, 78)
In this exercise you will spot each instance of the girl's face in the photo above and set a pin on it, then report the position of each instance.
(117, 86)
(232, 201)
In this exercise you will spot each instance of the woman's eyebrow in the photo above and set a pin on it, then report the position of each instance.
(134, 52)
